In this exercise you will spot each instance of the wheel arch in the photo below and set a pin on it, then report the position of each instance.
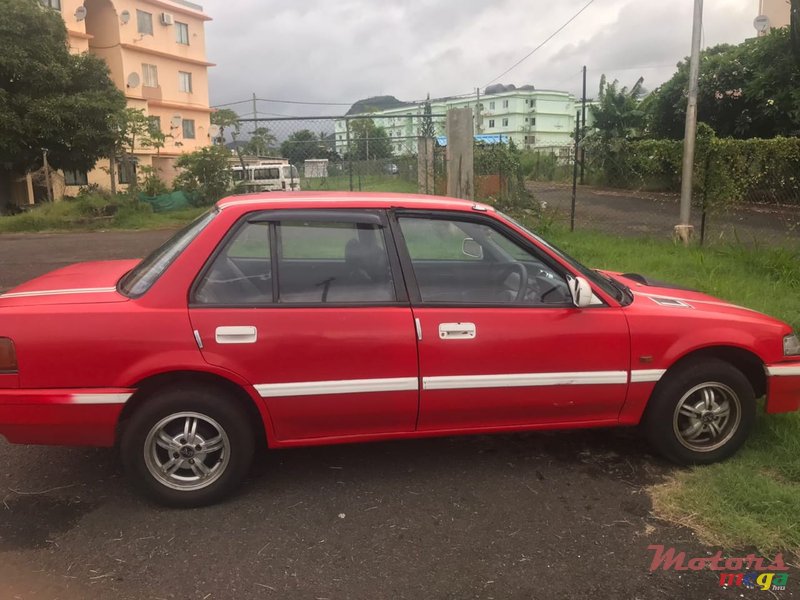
(149, 386)
(749, 363)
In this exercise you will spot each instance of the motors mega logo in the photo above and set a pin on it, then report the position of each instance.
(751, 572)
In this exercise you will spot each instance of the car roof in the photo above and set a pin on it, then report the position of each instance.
(284, 200)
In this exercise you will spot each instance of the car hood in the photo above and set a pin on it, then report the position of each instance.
(89, 282)
(656, 295)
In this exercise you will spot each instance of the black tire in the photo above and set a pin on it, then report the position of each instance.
(219, 420)
(670, 427)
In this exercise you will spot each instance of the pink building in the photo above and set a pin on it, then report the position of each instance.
(155, 50)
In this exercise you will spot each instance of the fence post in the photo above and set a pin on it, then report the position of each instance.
(460, 153)
(575, 171)
(349, 152)
(425, 165)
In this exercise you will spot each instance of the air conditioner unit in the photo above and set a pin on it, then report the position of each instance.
(167, 19)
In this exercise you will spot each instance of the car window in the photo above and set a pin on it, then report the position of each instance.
(147, 272)
(242, 272)
(333, 262)
(461, 261)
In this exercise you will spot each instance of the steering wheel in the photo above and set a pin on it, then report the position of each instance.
(509, 268)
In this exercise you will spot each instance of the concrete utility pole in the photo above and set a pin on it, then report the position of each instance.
(684, 229)
(460, 153)
(255, 110)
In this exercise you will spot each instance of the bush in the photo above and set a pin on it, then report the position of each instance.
(727, 170)
(206, 175)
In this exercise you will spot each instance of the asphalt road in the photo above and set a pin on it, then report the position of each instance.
(630, 213)
(546, 515)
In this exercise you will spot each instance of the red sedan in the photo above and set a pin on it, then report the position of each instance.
(288, 320)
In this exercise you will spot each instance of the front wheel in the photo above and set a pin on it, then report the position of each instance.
(702, 413)
(188, 447)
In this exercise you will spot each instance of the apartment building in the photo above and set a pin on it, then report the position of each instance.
(777, 11)
(531, 118)
(155, 50)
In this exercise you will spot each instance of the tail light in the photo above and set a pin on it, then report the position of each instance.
(8, 356)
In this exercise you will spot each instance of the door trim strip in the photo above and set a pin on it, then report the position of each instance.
(346, 386)
(456, 382)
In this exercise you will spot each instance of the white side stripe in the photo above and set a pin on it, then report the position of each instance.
(346, 386)
(645, 375)
(788, 371)
(457, 382)
(100, 398)
(105, 290)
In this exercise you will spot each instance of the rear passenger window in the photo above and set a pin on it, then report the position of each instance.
(242, 272)
(333, 262)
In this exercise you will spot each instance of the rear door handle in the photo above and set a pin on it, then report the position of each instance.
(457, 331)
(240, 334)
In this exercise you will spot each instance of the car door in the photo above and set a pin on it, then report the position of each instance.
(308, 306)
(500, 342)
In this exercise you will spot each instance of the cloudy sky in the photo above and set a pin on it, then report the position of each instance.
(338, 51)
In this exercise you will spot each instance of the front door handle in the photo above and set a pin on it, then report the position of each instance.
(457, 331)
(240, 334)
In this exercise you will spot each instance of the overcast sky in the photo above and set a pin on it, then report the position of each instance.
(344, 50)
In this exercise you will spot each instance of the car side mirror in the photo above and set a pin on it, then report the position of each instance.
(471, 248)
(581, 292)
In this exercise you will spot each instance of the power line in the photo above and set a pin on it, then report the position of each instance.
(531, 53)
(272, 101)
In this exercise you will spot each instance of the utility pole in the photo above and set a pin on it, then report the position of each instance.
(583, 123)
(575, 172)
(684, 229)
(255, 110)
(478, 111)
(47, 176)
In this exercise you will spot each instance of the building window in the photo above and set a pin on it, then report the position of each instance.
(505, 103)
(533, 120)
(54, 4)
(188, 129)
(144, 21)
(149, 75)
(76, 178)
(505, 122)
(491, 105)
(122, 172)
(155, 124)
(184, 82)
(491, 123)
(181, 33)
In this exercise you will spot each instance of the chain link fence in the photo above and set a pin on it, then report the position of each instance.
(374, 153)
(612, 196)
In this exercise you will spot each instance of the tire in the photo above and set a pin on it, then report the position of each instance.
(188, 447)
(701, 413)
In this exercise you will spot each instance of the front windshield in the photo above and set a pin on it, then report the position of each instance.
(608, 285)
(147, 272)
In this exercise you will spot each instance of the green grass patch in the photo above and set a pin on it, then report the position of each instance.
(93, 212)
(752, 499)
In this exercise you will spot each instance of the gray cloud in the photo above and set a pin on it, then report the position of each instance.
(343, 50)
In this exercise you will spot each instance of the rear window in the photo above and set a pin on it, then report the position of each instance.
(147, 272)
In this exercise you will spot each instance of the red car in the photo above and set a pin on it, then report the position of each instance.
(285, 320)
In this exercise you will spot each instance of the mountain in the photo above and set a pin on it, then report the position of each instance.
(376, 103)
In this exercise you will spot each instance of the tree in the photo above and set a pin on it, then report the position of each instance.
(749, 90)
(261, 143)
(225, 118)
(302, 145)
(617, 114)
(368, 141)
(205, 174)
(49, 98)
(427, 129)
(132, 127)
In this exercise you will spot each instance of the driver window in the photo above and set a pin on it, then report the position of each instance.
(241, 273)
(458, 261)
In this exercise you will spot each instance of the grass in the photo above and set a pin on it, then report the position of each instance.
(95, 212)
(752, 499)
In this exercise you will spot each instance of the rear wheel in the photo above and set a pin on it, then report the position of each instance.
(188, 447)
(701, 413)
